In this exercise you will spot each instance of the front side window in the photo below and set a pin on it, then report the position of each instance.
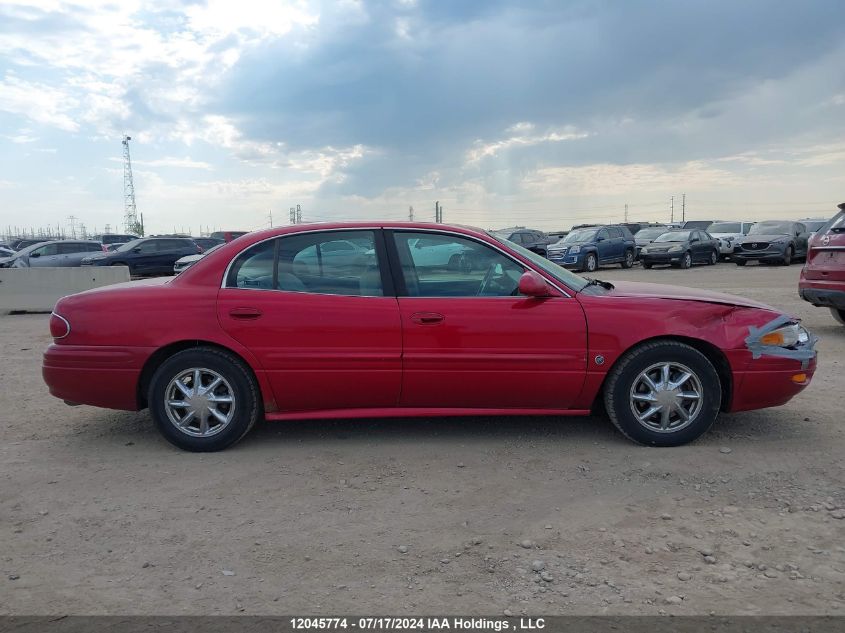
(603, 235)
(438, 265)
(331, 262)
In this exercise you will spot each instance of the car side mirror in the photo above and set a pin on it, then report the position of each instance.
(35, 254)
(137, 249)
(599, 238)
(532, 284)
(695, 239)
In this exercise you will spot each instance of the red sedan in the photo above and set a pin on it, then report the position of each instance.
(401, 319)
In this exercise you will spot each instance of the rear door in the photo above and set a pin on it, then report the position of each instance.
(71, 253)
(325, 330)
(471, 340)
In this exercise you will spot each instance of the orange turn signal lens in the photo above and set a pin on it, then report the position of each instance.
(799, 378)
(772, 338)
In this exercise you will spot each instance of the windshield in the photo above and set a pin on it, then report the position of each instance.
(674, 236)
(582, 235)
(571, 280)
(650, 233)
(725, 227)
(771, 228)
(128, 246)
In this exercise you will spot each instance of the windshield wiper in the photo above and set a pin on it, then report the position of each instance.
(602, 284)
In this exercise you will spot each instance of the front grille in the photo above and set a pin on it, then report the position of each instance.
(755, 246)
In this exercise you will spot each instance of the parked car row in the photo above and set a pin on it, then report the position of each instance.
(143, 256)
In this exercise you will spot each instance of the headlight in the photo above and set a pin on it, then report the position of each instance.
(575, 249)
(786, 336)
(676, 249)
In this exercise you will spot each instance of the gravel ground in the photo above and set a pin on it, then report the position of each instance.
(99, 515)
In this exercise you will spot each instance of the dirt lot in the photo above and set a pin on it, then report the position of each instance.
(98, 514)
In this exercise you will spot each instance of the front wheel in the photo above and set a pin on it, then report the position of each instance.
(714, 258)
(838, 314)
(647, 265)
(686, 260)
(664, 393)
(204, 399)
(787, 256)
(741, 262)
(629, 259)
(591, 263)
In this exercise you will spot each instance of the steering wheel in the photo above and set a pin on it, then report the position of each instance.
(488, 277)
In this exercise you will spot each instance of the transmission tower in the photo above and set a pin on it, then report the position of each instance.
(130, 213)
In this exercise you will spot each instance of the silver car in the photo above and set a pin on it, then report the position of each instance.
(54, 254)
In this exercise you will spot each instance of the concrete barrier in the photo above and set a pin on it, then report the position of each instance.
(38, 289)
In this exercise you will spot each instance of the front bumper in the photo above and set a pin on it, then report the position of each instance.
(769, 254)
(567, 260)
(661, 258)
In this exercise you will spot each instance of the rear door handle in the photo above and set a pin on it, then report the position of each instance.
(427, 318)
(245, 314)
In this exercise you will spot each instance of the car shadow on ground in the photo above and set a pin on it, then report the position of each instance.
(112, 428)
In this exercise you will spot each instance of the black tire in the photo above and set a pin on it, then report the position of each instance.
(626, 372)
(629, 259)
(591, 263)
(247, 399)
(838, 314)
(741, 262)
(787, 256)
(648, 265)
(686, 260)
(714, 258)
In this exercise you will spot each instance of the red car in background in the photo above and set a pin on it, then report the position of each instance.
(823, 275)
(275, 326)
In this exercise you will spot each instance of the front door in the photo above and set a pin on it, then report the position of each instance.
(471, 340)
(321, 320)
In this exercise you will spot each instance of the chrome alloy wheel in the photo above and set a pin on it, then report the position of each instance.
(666, 397)
(199, 402)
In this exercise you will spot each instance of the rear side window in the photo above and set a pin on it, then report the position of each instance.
(614, 232)
(77, 247)
(331, 262)
(836, 224)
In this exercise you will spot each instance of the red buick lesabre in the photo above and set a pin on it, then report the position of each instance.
(359, 320)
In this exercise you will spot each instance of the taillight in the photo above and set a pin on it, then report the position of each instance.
(59, 326)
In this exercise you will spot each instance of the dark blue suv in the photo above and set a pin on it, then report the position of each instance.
(588, 248)
(147, 256)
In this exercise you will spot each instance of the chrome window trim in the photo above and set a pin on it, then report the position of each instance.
(387, 227)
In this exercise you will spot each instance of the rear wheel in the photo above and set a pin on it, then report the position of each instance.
(629, 259)
(787, 256)
(714, 258)
(838, 314)
(664, 393)
(204, 399)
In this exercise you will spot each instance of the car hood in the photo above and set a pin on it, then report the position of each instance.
(661, 291)
(766, 237)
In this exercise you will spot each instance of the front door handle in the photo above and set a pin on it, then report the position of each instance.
(427, 318)
(245, 314)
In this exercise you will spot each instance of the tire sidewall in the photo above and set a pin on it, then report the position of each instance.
(591, 257)
(686, 262)
(635, 362)
(247, 402)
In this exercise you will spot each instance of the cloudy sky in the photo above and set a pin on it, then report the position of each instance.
(533, 113)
